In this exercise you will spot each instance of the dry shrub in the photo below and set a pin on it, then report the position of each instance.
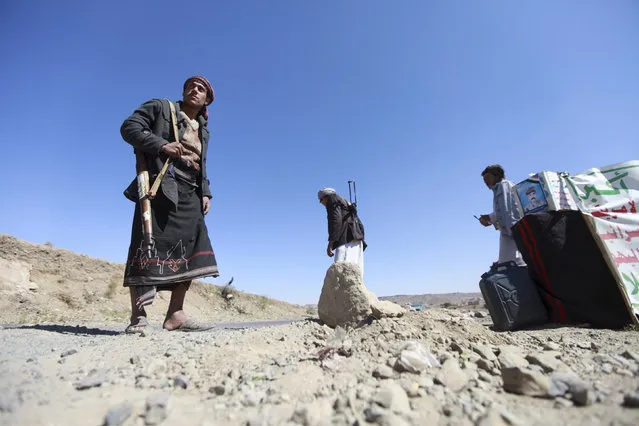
(69, 300)
(263, 302)
(112, 289)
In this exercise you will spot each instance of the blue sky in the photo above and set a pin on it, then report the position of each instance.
(411, 99)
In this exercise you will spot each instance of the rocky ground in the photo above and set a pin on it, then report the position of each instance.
(65, 361)
(436, 367)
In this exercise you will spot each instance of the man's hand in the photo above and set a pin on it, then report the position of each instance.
(485, 220)
(329, 249)
(173, 150)
(206, 204)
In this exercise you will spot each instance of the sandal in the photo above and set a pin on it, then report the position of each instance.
(190, 325)
(137, 327)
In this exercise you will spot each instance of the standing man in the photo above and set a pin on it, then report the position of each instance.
(504, 215)
(181, 247)
(345, 229)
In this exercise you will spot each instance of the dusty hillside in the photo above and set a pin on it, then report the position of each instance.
(39, 283)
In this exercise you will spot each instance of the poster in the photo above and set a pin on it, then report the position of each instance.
(532, 198)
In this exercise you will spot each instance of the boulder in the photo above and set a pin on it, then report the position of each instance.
(345, 300)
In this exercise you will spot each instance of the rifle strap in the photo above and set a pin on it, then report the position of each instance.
(160, 176)
(174, 121)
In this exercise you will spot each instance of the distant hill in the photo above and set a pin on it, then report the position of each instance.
(453, 299)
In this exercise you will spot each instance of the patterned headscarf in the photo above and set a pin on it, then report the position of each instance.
(210, 94)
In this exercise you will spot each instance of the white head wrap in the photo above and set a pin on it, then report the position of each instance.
(324, 192)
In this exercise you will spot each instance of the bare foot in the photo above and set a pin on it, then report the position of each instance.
(175, 320)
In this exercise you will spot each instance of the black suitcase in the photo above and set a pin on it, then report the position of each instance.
(512, 297)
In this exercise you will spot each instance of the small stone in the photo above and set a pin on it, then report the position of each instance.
(485, 376)
(340, 404)
(90, 382)
(135, 360)
(631, 400)
(171, 352)
(147, 383)
(551, 346)
(67, 353)
(479, 314)
(498, 416)
(156, 366)
(606, 359)
(392, 397)
(426, 382)
(311, 414)
(511, 359)
(181, 382)
(426, 409)
(628, 354)
(623, 361)
(415, 358)
(218, 389)
(562, 403)
(535, 367)
(452, 376)
(252, 399)
(383, 372)
(280, 361)
(118, 414)
(157, 408)
(524, 381)
(547, 361)
(374, 413)
(562, 383)
(607, 368)
(485, 364)
(456, 347)
(584, 345)
(485, 352)
(411, 388)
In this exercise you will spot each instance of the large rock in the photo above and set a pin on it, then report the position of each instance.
(345, 300)
(15, 276)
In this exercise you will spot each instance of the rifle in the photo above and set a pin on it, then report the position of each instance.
(354, 192)
(146, 194)
(145, 202)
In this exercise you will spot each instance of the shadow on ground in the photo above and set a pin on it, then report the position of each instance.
(66, 329)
